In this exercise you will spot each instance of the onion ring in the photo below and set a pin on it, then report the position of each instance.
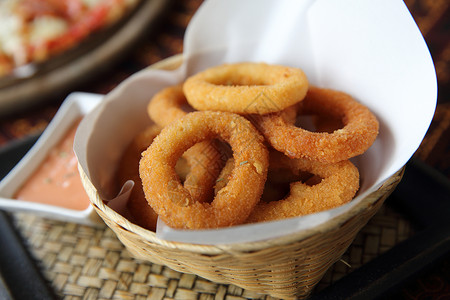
(191, 169)
(358, 134)
(166, 106)
(204, 159)
(246, 88)
(128, 169)
(339, 184)
(234, 203)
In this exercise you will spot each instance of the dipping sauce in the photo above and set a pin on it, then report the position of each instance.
(56, 181)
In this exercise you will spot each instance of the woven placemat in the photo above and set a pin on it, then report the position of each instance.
(82, 262)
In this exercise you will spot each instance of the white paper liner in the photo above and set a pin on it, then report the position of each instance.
(372, 50)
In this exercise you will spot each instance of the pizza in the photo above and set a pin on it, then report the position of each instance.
(33, 31)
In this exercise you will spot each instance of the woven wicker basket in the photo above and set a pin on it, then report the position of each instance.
(285, 267)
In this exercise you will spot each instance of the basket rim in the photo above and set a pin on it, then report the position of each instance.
(171, 63)
(151, 237)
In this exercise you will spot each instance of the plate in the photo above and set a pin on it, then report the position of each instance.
(64, 72)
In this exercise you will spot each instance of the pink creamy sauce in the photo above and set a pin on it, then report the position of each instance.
(57, 181)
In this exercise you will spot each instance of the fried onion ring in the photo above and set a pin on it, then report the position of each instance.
(166, 106)
(355, 137)
(196, 179)
(128, 169)
(246, 88)
(338, 185)
(204, 159)
(232, 205)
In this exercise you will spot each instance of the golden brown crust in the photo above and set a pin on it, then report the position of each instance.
(246, 88)
(359, 132)
(338, 185)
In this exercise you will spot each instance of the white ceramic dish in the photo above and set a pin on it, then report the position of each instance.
(75, 106)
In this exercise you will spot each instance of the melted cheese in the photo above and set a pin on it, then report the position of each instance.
(12, 40)
(46, 28)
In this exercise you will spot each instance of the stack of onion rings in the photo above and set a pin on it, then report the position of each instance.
(250, 107)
